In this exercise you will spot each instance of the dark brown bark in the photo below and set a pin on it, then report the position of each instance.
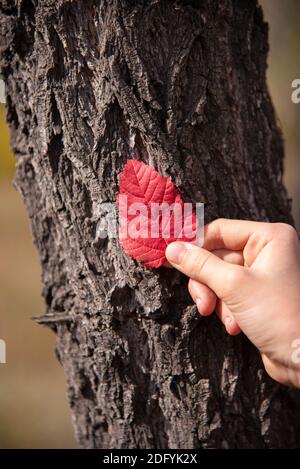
(182, 83)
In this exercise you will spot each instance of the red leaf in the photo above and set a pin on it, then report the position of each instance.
(142, 184)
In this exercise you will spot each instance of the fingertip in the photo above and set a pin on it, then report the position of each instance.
(175, 251)
(204, 308)
(231, 326)
(203, 296)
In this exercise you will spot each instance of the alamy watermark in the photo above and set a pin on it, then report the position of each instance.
(295, 96)
(154, 220)
(2, 351)
(2, 91)
(295, 357)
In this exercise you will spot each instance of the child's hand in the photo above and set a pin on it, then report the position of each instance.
(252, 271)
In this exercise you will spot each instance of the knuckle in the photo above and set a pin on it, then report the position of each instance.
(218, 222)
(191, 286)
(191, 290)
(202, 261)
(235, 277)
(286, 230)
(195, 262)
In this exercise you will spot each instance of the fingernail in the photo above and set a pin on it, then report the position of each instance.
(175, 252)
(227, 322)
(199, 304)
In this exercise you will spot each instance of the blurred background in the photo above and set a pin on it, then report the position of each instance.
(33, 405)
(283, 17)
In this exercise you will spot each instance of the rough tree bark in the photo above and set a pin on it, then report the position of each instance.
(182, 83)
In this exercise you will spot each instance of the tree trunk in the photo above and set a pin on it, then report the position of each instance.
(89, 85)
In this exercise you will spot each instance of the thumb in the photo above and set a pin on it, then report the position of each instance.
(203, 266)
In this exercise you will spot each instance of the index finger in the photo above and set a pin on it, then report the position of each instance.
(232, 234)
